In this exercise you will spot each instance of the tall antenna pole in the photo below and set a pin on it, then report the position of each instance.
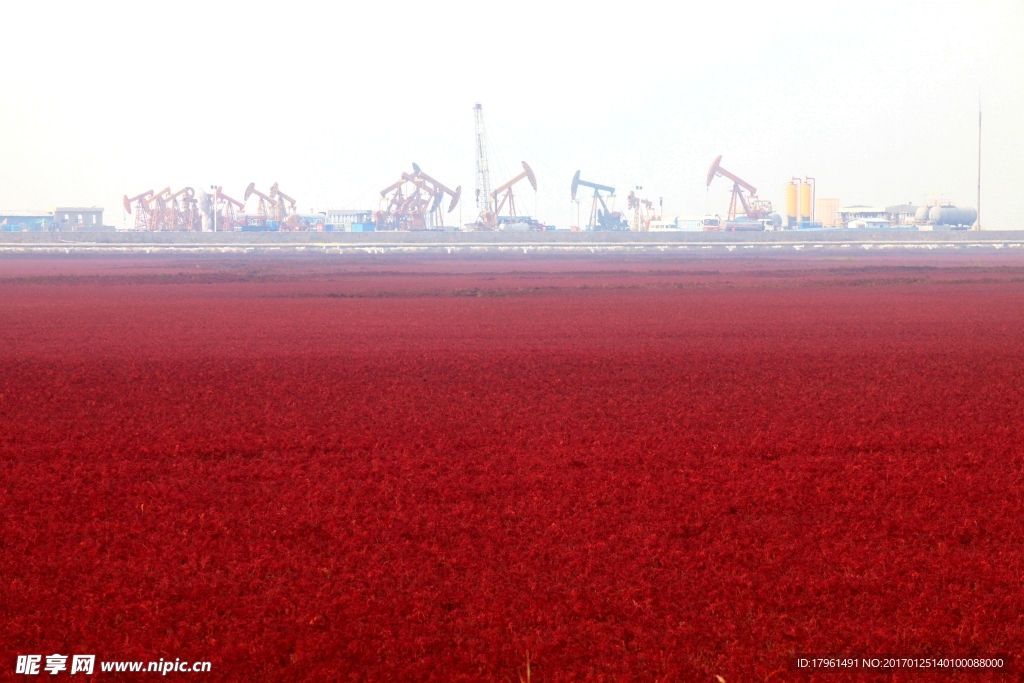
(977, 225)
(483, 174)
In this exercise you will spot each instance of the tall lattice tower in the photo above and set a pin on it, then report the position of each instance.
(484, 201)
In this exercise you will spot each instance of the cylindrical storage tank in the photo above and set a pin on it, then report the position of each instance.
(806, 190)
(791, 203)
(921, 215)
(952, 215)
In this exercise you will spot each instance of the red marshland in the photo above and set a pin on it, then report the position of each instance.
(391, 469)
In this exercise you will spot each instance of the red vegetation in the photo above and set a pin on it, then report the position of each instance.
(668, 471)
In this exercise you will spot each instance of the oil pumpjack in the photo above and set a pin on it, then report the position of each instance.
(600, 218)
(756, 211)
(508, 198)
(414, 202)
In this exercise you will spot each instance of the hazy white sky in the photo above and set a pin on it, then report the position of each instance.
(877, 100)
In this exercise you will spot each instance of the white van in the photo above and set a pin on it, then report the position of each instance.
(679, 223)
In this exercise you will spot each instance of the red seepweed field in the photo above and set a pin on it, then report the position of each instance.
(410, 469)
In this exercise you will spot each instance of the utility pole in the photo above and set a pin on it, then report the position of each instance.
(977, 225)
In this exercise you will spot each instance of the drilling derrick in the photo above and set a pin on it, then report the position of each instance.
(487, 216)
(141, 202)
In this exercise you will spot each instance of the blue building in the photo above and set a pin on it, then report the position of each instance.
(24, 221)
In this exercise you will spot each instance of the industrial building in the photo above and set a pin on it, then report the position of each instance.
(901, 215)
(349, 220)
(22, 221)
(70, 218)
(863, 216)
(826, 211)
(64, 218)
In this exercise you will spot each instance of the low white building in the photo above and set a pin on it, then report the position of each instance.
(78, 218)
(860, 216)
